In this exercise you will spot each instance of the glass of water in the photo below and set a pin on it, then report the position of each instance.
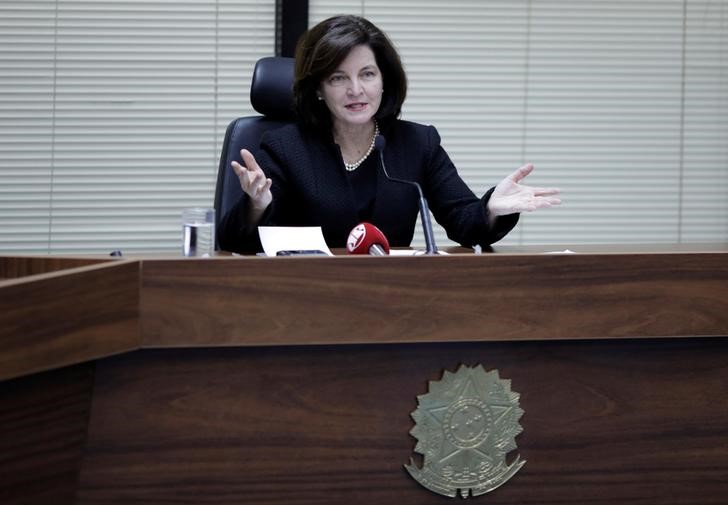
(198, 231)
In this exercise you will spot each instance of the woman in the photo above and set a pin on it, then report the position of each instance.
(349, 87)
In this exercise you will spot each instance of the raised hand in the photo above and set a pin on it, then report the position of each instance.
(253, 181)
(510, 196)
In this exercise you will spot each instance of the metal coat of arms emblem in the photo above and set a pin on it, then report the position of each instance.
(465, 426)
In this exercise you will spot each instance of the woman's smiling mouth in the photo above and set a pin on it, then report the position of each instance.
(356, 107)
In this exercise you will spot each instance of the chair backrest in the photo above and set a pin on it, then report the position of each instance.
(271, 94)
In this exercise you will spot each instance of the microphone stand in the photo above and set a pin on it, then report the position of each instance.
(430, 247)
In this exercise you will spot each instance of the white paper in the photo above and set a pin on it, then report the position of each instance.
(402, 252)
(292, 238)
(411, 252)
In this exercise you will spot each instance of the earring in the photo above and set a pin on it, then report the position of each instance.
(319, 97)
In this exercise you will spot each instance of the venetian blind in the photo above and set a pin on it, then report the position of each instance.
(112, 115)
(623, 104)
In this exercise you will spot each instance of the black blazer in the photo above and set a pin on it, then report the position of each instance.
(311, 188)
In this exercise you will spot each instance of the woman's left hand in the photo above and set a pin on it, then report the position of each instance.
(510, 196)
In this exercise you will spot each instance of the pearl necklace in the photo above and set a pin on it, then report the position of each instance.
(350, 167)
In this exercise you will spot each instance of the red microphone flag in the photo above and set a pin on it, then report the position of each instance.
(363, 237)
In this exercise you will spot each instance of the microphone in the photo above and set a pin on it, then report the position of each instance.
(430, 247)
(365, 238)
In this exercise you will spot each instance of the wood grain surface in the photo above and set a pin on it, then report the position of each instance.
(625, 395)
(43, 421)
(68, 317)
(633, 422)
(20, 266)
(260, 301)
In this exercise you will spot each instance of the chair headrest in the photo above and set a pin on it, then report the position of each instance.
(271, 92)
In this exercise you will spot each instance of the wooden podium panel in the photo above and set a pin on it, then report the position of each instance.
(67, 316)
(43, 425)
(359, 299)
(57, 315)
(291, 380)
(628, 421)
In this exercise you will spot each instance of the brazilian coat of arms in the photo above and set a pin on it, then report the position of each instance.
(465, 425)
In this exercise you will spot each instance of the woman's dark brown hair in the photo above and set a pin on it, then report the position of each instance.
(319, 53)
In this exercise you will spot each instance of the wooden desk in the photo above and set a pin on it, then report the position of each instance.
(279, 380)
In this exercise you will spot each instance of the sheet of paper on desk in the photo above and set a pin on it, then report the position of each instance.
(411, 252)
(402, 252)
(292, 238)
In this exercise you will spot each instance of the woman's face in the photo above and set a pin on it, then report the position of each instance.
(353, 92)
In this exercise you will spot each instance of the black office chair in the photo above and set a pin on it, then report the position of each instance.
(271, 94)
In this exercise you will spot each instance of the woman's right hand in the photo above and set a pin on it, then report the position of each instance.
(253, 181)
